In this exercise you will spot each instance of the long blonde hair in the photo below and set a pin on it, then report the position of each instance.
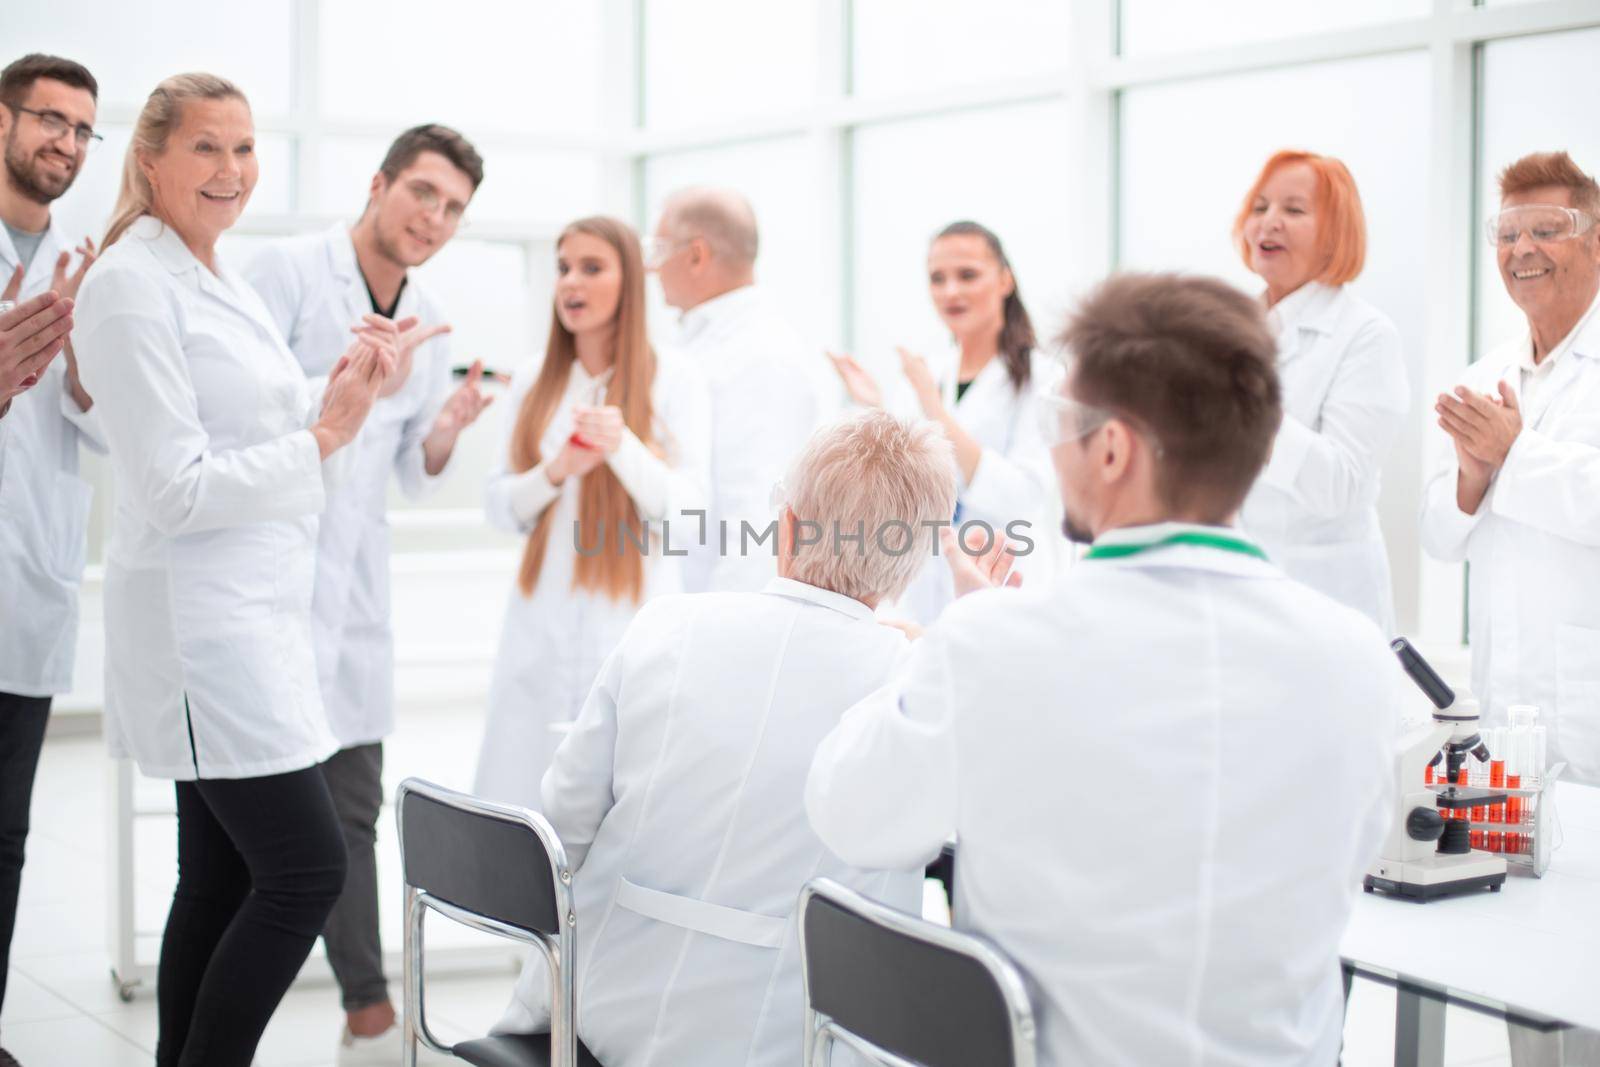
(605, 510)
(162, 113)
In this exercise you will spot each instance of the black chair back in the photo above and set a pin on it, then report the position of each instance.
(479, 860)
(918, 991)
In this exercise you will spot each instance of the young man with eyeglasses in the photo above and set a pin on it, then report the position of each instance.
(47, 114)
(1177, 895)
(316, 289)
(1516, 490)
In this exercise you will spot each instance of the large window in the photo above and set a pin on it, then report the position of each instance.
(1166, 26)
(910, 46)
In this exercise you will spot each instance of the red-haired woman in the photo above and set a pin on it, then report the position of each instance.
(1314, 508)
(608, 439)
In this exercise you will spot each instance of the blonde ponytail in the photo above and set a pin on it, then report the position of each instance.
(162, 114)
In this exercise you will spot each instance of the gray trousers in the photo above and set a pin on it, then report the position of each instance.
(355, 778)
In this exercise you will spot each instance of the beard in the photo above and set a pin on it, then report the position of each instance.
(1078, 535)
(30, 178)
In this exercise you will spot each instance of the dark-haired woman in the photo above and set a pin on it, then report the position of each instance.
(984, 398)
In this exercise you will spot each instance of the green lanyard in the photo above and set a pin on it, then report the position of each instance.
(1204, 540)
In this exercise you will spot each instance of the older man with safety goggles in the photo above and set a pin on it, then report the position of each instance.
(1517, 493)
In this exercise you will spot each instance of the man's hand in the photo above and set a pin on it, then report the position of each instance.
(67, 284)
(1482, 426)
(30, 336)
(460, 411)
(402, 337)
(971, 571)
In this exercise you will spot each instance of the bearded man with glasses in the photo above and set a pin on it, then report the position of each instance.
(47, 113)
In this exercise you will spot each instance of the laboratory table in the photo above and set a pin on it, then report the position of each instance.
(1526, 954)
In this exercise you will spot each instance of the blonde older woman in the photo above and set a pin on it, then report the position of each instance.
(219, 445)
(1315, 507)
(689, 856)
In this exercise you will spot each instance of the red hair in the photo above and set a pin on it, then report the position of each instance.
(1341, 223)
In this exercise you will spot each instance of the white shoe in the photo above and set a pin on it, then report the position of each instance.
(384, 1050)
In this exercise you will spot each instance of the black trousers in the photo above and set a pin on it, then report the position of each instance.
(261, 862)
(22, 723)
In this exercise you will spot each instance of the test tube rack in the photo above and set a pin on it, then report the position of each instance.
(1527, 843)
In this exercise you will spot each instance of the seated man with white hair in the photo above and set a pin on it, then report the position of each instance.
(679, 791)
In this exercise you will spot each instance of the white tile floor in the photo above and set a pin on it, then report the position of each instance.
(62, 1009)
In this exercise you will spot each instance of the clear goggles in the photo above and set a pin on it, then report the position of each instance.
(657, 250)
(1543, 223)
(1063, 419)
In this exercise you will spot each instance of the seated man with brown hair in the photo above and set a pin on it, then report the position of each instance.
(1123, 757)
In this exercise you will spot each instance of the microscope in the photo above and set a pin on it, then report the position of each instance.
(1428, 852)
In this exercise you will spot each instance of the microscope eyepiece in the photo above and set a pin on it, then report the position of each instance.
(1420, 672)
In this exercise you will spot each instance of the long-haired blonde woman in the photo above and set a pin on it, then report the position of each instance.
(607, 440)
(219, 445)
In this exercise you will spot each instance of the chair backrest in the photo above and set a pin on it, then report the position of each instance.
(919, 992)
(495, 861)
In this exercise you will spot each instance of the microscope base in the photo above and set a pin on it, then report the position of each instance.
(1438, 877)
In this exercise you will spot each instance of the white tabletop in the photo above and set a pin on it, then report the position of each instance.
(1533, 945)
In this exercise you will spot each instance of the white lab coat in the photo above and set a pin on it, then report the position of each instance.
(553, 643)
(678, 796)
(765, 403)
(314, 292)
(1315, 507)
(209, 667)
(1533, 550)
(44, 508)
(1124, 760)
(1014, 481)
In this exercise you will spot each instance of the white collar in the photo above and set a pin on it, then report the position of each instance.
(1156, 531)
(1305, 308)
(1571, 340)
(693, 322)
(813, 594)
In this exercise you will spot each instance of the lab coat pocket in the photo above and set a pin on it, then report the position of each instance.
(1576, 720)
(69, 526)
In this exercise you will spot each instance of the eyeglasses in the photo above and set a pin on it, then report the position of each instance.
(1543, 223)
(779, 496)
(657, 250)
(1063, 419)
(54, 124)
(430, 199)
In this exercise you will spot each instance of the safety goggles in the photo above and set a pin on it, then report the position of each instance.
(1061, 418)
(1543, 223)
(657, 250)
